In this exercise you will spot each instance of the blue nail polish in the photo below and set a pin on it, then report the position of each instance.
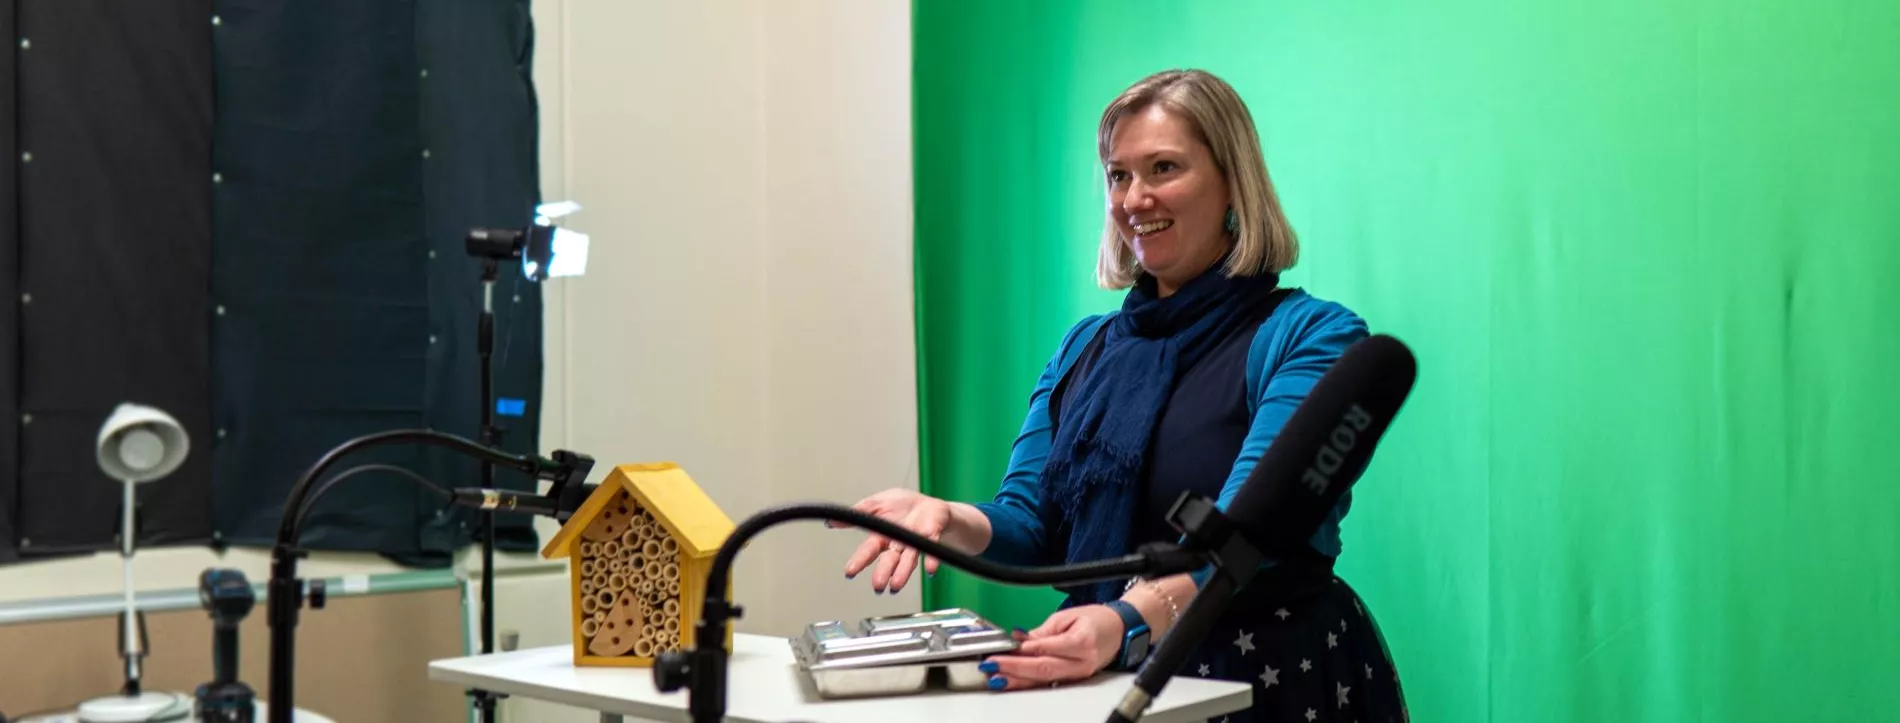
(987, 666)
(997, 683)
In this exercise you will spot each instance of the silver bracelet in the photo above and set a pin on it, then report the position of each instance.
(1174, 611)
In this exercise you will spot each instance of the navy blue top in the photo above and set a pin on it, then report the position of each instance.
(1221, 416)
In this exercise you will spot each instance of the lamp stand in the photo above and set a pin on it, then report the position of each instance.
(132, 703)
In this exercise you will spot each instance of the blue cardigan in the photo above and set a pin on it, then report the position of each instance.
(1294, 346)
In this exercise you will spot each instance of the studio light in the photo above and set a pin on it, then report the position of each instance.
(545, 251)
(544, 248)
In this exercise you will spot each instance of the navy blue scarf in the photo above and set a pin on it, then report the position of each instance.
(1108, 418)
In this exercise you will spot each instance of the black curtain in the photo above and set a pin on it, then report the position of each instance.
(250, 213)
(113, 112)
(9, 288)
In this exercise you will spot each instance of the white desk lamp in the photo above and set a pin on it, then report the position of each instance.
(137, 444)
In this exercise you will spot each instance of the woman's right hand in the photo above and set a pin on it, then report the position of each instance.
(894, 561)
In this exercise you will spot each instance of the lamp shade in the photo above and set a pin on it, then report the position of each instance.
(140, 444)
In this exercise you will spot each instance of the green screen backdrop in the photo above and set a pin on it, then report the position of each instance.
(1645, 252)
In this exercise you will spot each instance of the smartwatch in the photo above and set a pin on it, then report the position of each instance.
(1135, 634)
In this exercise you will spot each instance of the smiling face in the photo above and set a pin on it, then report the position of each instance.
(1167, 196)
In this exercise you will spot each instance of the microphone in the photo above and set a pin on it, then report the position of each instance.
(1320, 452)
(1325, 445)
(505, 501)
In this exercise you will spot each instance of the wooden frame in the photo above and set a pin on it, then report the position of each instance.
(638, 552)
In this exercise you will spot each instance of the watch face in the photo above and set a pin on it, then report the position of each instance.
(1135, 647)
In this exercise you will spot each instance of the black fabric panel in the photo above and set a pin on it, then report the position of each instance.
(114, 240)
(349, 182)
(9, 294)
(319, 260)
(478, 121)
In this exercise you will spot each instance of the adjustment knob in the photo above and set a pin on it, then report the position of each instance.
(317, 594)
(671, 671)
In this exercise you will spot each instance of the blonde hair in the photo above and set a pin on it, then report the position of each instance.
(1265, 241)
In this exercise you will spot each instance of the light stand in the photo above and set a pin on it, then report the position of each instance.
(702, 669)
(537, 248)
(567, 471)
(136, 445)
(490, 436)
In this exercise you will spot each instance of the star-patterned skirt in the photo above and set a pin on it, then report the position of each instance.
(1316, 655)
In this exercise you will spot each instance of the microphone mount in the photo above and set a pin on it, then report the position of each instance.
(1208, 536)
(566, 471)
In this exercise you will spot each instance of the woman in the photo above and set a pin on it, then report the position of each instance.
(1180, 390)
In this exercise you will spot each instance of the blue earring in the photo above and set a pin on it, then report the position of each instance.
(1233, 222)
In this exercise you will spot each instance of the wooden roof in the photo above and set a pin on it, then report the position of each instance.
(666, 490)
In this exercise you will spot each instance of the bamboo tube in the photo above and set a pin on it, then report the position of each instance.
(610, 549)
(630, 539)
(673, 625)
(637, 562)
(589, 604)
(646, 586)
(643, 647)
(670, 572)
(600, 616)
(606, 597)
(589, 628)
(654, 570)
(616, 582)
(669, 546)
(600, 580)
(652, 549)
(673, 587)
(587, 568)
(672, 609)
(587, 586)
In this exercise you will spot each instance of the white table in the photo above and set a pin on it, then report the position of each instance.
(766, 687)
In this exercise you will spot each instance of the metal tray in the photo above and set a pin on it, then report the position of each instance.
(899, 654)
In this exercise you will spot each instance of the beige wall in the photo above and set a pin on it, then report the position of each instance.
(745, 171)
(745, 168)
(362, 659)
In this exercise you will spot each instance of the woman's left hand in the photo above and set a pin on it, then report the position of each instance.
(1071, 645)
